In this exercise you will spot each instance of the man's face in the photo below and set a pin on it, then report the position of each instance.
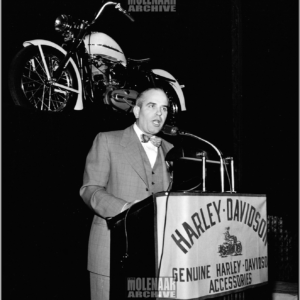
(153, 113)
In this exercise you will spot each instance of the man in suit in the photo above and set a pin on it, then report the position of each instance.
(121, 169)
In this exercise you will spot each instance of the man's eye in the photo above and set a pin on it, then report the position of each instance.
(151, 105)
(165, 109)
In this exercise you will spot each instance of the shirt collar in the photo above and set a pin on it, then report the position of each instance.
(138, 131)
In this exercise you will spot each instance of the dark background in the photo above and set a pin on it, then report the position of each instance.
(45, 224)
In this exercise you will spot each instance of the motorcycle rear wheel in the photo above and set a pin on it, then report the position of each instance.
(238, 248)
(29, 86)
(174, 103)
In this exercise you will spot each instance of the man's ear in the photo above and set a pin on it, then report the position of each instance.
(136, 111)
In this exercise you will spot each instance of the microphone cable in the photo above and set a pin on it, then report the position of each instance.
(126, 255)
(163, 236)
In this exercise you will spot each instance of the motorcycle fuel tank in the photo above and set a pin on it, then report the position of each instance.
(98, 43)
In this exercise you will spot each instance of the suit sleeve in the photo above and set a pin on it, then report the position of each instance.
(95, 179)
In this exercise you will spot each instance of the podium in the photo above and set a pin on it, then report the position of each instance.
(133, 244)
(202, 245)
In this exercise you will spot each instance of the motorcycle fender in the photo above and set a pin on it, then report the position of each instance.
(175, 85)
(79, 102)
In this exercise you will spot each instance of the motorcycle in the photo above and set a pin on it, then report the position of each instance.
(87, 67)
(231, 246)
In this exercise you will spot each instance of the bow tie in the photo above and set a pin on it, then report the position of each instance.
(156, 141)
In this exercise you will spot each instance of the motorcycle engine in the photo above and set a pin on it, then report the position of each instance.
(109, 78)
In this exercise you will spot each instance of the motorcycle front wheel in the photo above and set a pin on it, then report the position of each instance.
(30, 86)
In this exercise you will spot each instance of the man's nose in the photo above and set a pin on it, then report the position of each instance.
(159, 112)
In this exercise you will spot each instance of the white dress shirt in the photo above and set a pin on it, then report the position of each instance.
(150, 149)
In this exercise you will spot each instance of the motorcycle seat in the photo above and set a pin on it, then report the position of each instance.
(142, 60)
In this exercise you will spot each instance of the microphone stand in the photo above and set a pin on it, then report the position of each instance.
(173, 131)
(219, 153)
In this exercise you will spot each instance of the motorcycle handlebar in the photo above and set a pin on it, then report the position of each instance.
(128, 16)
(101, 9)
(117, 6)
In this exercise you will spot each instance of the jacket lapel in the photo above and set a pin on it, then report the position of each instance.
(132, 152)
(165, 148)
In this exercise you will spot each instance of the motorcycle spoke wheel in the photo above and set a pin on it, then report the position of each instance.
(36, 90)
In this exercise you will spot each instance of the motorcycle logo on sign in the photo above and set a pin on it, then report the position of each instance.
(231, 246)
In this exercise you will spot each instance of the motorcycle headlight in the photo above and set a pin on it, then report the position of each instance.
(63, 23)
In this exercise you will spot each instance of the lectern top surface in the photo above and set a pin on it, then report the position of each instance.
(210, 194)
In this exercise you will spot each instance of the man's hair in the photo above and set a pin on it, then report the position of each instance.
(141, 96)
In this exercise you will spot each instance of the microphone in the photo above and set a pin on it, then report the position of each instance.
(170, 130)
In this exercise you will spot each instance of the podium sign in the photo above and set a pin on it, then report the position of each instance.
(212, 244)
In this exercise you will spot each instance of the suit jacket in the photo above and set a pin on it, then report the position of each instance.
(114, 175)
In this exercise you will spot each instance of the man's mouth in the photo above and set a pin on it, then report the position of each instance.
(156, 122)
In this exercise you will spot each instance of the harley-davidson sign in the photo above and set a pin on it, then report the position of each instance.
(212, 244)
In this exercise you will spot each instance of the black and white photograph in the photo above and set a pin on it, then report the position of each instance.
(150, 149)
